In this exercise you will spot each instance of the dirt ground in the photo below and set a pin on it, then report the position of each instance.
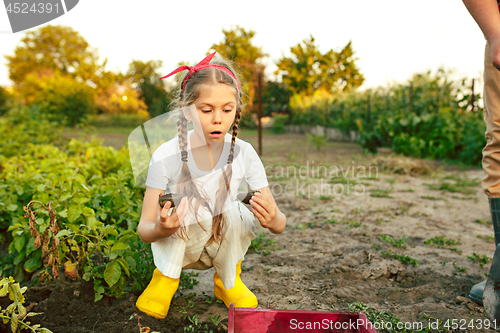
(332, 251)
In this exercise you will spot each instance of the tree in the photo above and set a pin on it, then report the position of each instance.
(237, 46)
(121, 98)
(5, 98)
(275, 98)
(63, 98)
(57, 49)
(308, 70)
(145, 80)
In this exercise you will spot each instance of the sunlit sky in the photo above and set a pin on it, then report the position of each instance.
(391, 38)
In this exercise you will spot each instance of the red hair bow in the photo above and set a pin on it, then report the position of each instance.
(205, 63)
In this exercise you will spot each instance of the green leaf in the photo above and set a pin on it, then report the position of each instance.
(131, 262)
(21, 309)
(81, 201)
(20, 256)
(92, 222)
(19, 190)
(4, 288)
(124, 265)
(119, 246)
(103, 215)
(85, 187)
(88, 212)
(31, 264)
(63, 213)
(14, 323)
(80, 178)
(99, 291)
(74, 213)
(44, 330)
(112, 273)
(31, 246)
(110, 230)
(74, 228)
(40, 188)
(65, 197)
(61, 233)
(11, 207)
(19, 243)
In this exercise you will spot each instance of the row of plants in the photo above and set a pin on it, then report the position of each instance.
(68, 207)
(431, 116)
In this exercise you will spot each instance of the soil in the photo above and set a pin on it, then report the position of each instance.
(332, 251)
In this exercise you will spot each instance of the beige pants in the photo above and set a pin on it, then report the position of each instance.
(491, 152)
(173, 254)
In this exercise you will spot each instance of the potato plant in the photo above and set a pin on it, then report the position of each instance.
(70, 205)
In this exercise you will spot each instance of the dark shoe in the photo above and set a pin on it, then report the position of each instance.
(491, 297)
(476, 293)
(495, 217)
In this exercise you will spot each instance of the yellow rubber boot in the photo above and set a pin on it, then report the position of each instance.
(240, 295)
(155, 300)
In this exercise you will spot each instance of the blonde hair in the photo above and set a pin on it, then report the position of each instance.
(186, 186)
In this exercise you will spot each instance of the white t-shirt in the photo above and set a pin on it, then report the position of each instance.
(248, 170)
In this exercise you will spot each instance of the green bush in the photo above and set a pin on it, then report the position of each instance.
(246, 121)
(63, 98)
(428, 117)
(279, 124)
(5, 100)
(92, 195)
(117, 120)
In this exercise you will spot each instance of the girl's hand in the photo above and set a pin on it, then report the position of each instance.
(265, 209)
(167, 225)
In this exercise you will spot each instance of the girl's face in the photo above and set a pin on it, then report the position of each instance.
(215, 112)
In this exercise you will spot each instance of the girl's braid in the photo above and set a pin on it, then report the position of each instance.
(186, 184)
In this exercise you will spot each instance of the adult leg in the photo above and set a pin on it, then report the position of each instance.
(491, 155)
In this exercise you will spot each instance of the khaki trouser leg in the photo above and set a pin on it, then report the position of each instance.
(491, 152)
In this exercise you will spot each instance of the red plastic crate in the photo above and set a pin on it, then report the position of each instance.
(245, 320)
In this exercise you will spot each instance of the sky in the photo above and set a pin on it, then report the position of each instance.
(392, 39)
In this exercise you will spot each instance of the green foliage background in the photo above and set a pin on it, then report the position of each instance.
(92, 191)
(438, 123)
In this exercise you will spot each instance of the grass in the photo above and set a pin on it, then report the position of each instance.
(481, 221)
(403, 258)
(428, 197)
(459, 268)
(444, 242)
(187, 281)
(400, 243)
(353, 224)
(480, 259)
(380, 193)
(465, 198)
(260, 245)
(489, 238)
(343, 180)
(454, 183)
(384, 318)
(330, 221)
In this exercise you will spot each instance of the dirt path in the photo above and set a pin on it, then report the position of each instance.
(332, 252)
